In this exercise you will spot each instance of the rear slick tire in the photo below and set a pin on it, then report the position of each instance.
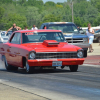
(7, 66)
(73, 68)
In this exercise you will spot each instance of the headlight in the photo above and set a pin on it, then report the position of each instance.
(32, 55)
(85, 40)
(80, 54)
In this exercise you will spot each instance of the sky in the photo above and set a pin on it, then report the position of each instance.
(54, 0)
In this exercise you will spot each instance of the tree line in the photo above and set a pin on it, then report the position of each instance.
(30, 12)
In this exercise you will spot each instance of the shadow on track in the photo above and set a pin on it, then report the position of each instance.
(37, 71)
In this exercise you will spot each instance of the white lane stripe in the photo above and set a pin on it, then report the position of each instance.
(3, 80)
(90, 65)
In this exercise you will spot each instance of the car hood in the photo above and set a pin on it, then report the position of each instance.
(73, 35)
(62, 47)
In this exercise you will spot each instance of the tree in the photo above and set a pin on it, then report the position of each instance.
(77, 21)
(21, 2)
(31, 2)
(66, 14)
(2, 10)
(6, 1)
(49, 3)
(97, 21)
(36, 12)
(51, 18)
(14, 18)
(85, 11)
(98, 6)
(33, 16)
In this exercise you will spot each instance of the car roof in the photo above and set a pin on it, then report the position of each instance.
(39, 30)
(59, 23)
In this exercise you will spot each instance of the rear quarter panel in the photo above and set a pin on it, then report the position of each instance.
(3, 48)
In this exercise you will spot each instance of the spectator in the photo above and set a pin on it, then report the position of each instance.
(44, 27)
(90, 35)
(26, 28)
(34, 27)
(78, 27)
(13, 28)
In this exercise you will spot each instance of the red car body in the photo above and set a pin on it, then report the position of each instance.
(16, 54)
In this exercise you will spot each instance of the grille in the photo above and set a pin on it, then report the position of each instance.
(56, 55)
(75, 40)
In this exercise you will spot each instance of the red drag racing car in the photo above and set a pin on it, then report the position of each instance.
(40, 48)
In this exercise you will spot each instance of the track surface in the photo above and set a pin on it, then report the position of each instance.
(56, 84)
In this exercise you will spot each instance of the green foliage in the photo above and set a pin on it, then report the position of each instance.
(6, 1)
(33, 16)
(51, 18)
(97, 21)
(49, 3)
(2, 10)
(29, 12)
(78, 21)
(14, 18)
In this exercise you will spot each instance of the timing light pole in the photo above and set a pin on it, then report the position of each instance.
(72, 13)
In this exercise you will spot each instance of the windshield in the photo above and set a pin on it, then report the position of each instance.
(41, 36)
(66, 28)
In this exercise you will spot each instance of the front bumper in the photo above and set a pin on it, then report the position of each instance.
(84, 46)
(48, 62)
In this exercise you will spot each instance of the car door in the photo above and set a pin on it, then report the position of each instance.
(13, 49)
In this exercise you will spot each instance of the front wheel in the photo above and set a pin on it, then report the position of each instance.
(73, 68)
(85, 53)
(28, 68)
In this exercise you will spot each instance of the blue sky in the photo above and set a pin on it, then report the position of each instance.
(54, 0)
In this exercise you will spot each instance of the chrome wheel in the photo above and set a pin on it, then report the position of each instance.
(28, 68)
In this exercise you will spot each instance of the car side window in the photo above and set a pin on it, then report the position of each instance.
(16, 38)
(42, 26)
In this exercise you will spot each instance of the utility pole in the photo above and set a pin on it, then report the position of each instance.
(72, 13)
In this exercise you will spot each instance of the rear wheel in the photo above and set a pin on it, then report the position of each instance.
(7, 66)
(73, 68)
(28, 68)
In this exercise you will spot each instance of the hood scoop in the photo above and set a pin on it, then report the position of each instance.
(50, 43)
